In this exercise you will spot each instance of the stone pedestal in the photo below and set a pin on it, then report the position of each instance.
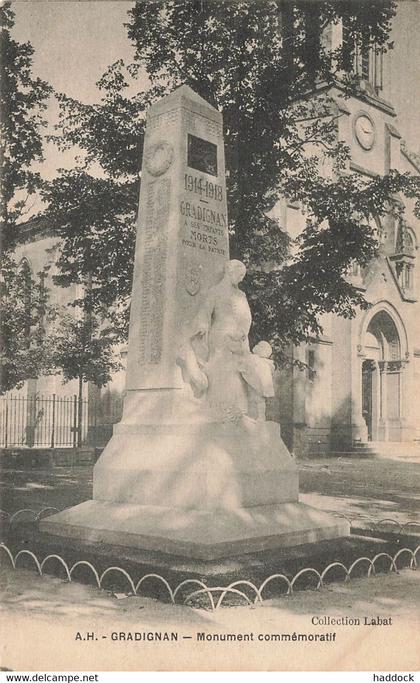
(210, 466)
(174, 477)
(203, 491)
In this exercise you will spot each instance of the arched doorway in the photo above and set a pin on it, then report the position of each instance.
(382, 379)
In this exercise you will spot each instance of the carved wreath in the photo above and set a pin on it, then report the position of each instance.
(159, 157)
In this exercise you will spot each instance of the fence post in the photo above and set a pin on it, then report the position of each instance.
(75, 430)
(6, 422)
(79, 419)
(74, 421)
(31, 408)
(53, 421)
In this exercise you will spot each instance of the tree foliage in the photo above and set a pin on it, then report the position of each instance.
(94, 218)
(269, 67)
(25, 350)
(83, 348)
(24, 353)
(23, 98)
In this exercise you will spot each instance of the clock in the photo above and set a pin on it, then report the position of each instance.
(159, 157)
(364, 130)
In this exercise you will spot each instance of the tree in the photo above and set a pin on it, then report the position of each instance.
(95, 220)
(269, 67)
(24, 300)
(82, 349)
(22, 101)
(25, 351)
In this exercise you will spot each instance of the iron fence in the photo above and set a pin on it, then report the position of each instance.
(43, 421)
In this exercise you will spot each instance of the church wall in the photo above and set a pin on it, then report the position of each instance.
(103, 407)
(280, 408)
(318, 397)
(415, 403)
(333, 412)
(341, 378)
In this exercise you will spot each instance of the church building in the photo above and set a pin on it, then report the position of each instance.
(361, 390)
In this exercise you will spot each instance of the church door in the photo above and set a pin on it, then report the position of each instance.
(367, 396)
(381, 379)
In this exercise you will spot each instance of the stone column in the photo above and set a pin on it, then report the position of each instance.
(383, 422)
(408, 401)
(376, 399)
(358, 424)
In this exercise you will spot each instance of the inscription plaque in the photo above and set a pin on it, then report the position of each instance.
(202, 155)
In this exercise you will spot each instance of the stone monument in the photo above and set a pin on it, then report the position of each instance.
(193, 468)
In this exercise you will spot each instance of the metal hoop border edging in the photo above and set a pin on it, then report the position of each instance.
(210, 591)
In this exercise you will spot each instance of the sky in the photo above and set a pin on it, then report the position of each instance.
(76, 40)
(405, 71)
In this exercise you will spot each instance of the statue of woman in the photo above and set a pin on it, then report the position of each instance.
(216, 359)
(225, 307)
(217, 340)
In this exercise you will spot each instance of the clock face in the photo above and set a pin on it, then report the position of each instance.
(365, 131)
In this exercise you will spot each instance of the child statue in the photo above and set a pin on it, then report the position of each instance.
(258, 372)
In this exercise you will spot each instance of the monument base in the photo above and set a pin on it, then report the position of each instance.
(202, 535)
(202, 491)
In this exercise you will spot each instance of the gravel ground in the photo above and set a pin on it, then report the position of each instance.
(376, 488)
(41, 616)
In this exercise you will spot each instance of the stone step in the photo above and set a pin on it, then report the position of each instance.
(397, 450)
(347, 454)
(387, 445)
(404, 450)
(221, 532)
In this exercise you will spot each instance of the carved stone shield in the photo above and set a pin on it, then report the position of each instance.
(192, 277)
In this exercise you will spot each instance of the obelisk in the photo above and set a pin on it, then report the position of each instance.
(174, 478)
(182, 243)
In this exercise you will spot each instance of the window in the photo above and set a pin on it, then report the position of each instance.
(348, 48)
(408, 277)
(410, 245)
(365, 61)
(310, 362)
(365, 64)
